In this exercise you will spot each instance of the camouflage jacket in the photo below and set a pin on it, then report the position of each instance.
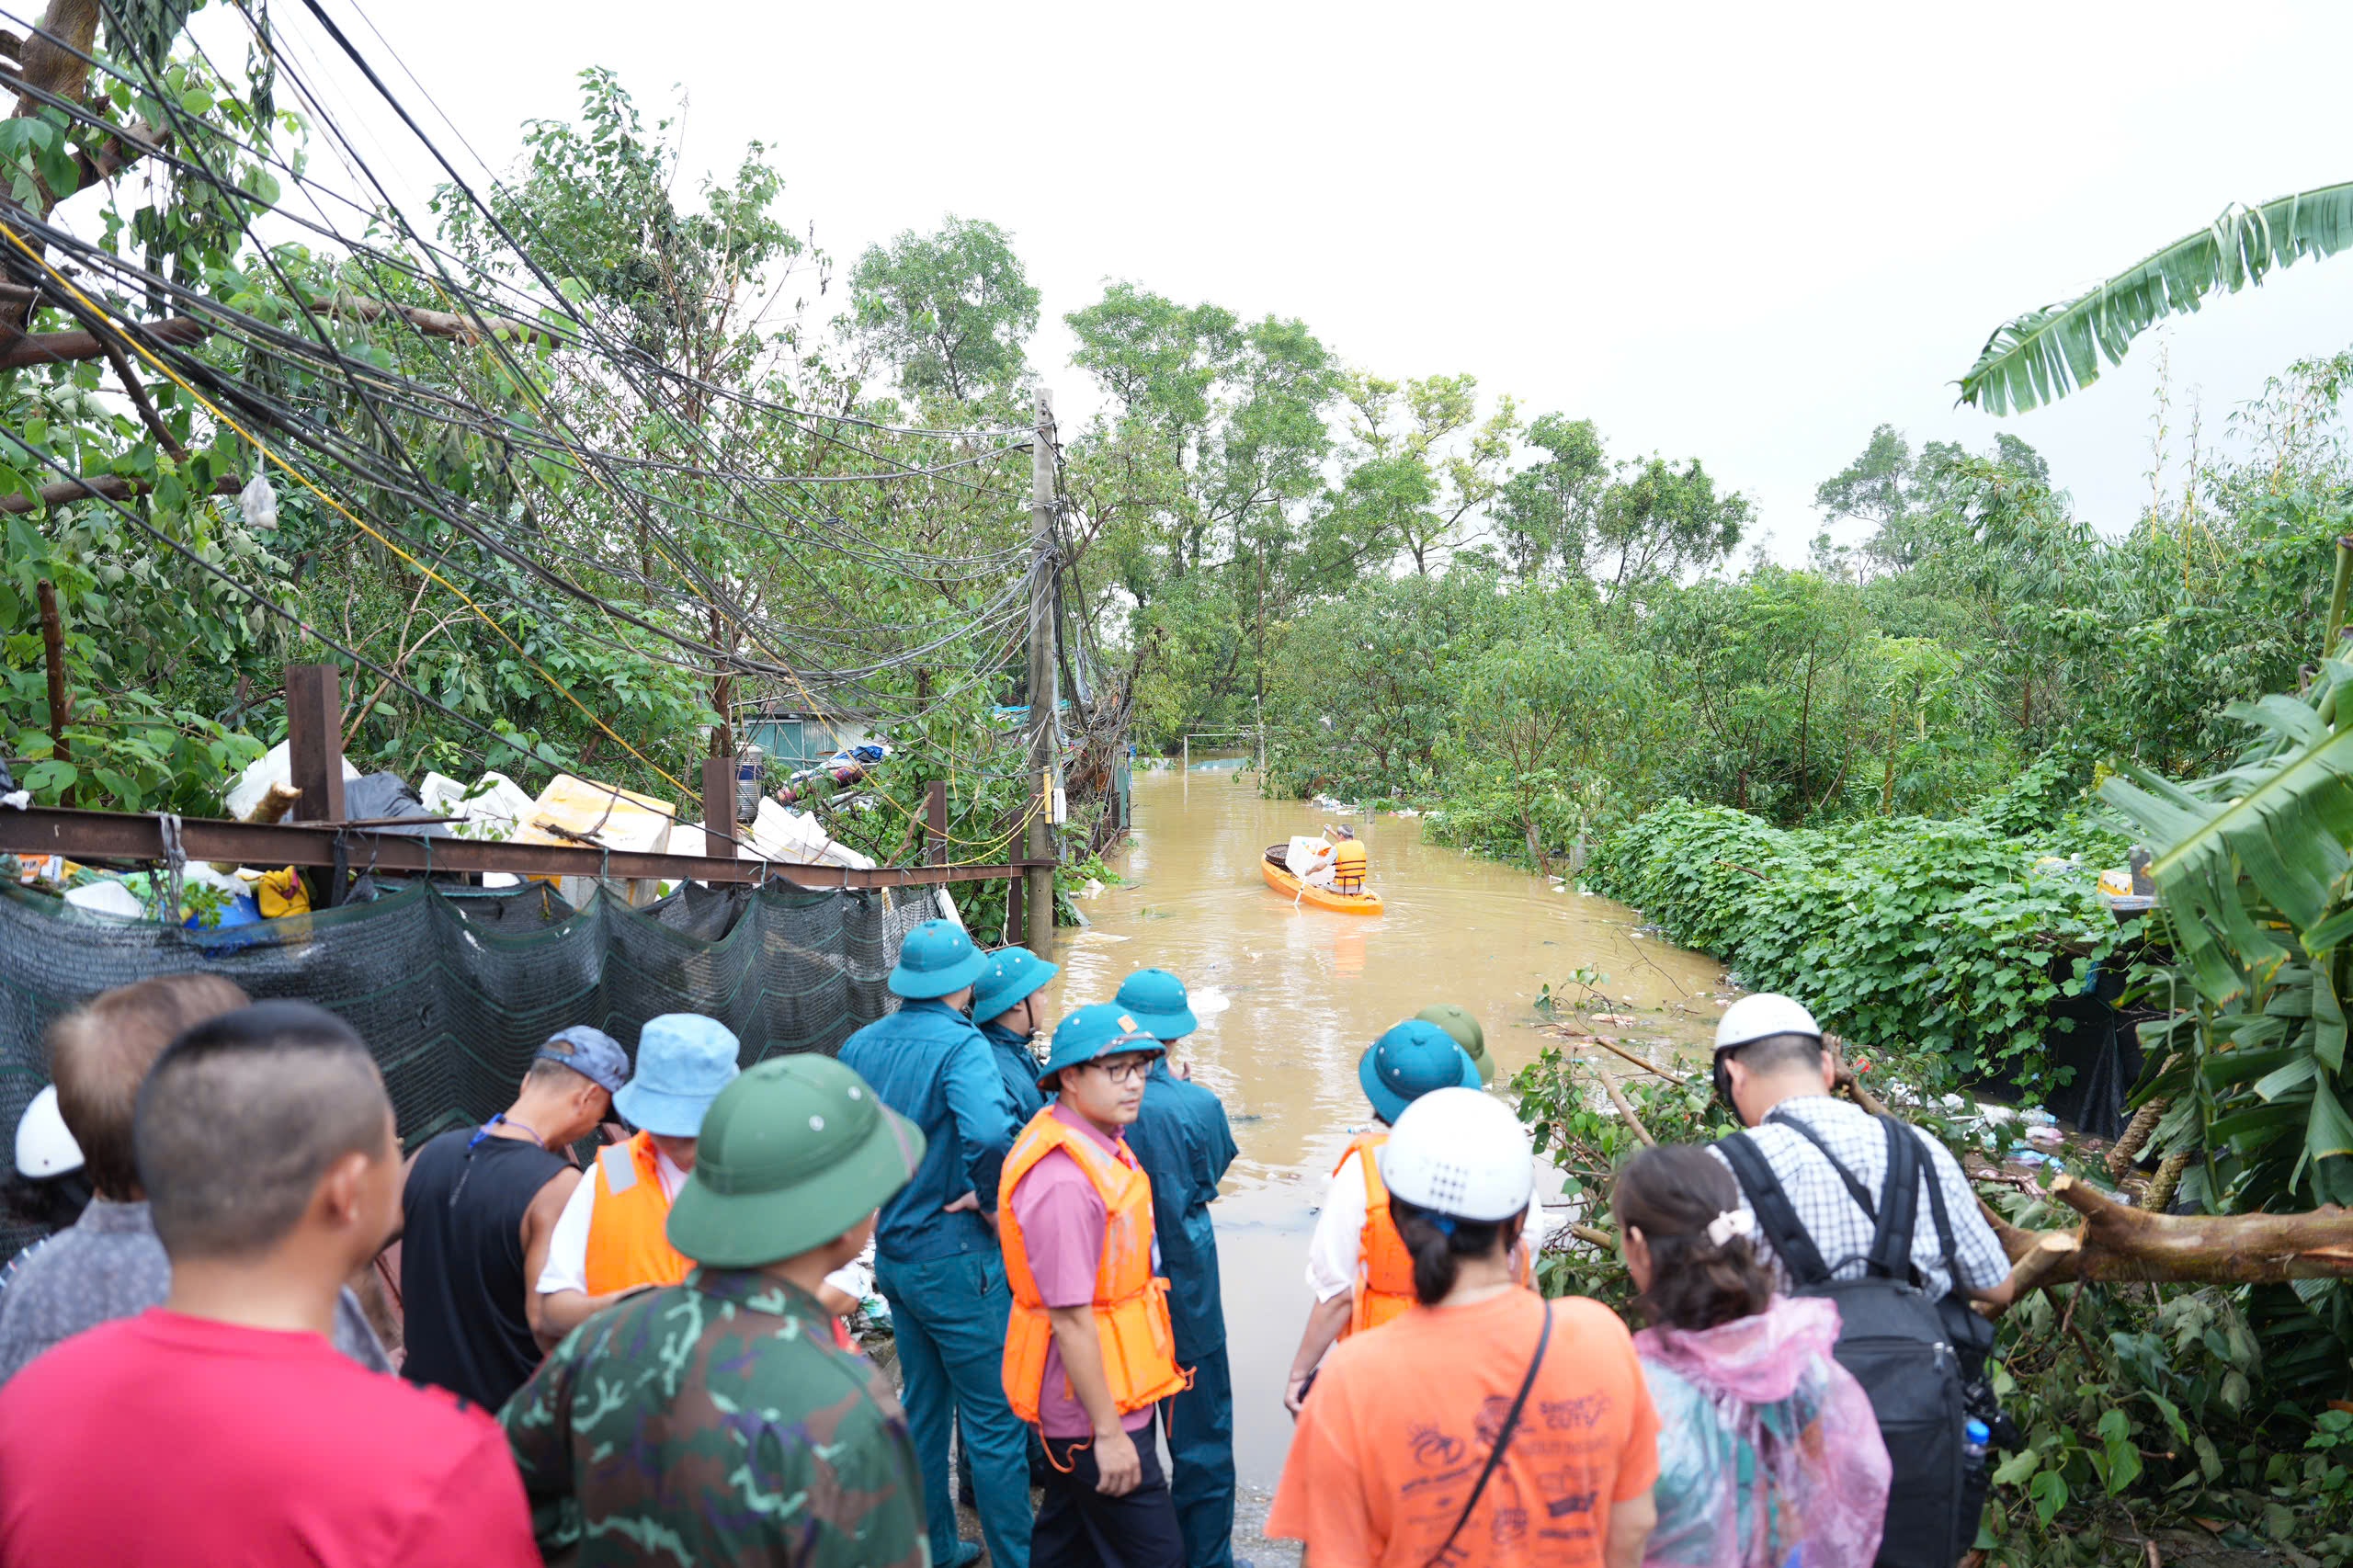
(713, 1423)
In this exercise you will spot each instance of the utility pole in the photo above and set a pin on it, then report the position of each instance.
(1045, 695)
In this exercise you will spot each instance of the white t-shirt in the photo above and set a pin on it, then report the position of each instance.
(567, 1264)
(1338, 1246)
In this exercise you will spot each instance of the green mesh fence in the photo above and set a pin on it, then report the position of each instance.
(454, 992)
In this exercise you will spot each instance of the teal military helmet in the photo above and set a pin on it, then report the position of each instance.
(1013, 975)
(1157, 1000)
(1099, 1029)
(1407, 1062)
(936, 960)
(794, 1152)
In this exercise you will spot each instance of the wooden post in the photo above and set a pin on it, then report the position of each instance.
(314, 741)
(718, 806)
(1043, 695)
(61, 705)
(935, 820)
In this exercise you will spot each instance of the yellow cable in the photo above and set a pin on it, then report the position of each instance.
(66, 284)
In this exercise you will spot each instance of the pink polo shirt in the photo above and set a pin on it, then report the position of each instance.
(1062, 1220)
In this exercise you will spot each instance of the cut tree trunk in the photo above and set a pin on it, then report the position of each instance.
(2119, 1243)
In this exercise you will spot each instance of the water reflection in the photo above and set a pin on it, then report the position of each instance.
(1289, 997)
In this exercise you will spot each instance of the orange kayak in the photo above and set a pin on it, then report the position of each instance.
(1279, 878)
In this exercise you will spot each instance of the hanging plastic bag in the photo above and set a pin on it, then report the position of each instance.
(258, 502)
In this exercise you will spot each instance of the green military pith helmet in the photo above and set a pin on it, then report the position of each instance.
(1457, 1022)
(793, 1153)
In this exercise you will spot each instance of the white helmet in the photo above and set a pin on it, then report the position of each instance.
(1766, 1013)
(1461, 1154)
(44, 1148)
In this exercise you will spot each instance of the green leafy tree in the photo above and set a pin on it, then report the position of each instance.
(951, 312)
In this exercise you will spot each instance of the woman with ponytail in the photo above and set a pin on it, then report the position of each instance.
(1484, 1425)
(1768, 1451)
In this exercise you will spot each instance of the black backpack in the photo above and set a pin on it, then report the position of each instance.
(1913, 1357)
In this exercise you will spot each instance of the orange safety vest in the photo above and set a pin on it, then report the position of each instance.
(628, 1240)
(1384, 1287)
(1130, 1305)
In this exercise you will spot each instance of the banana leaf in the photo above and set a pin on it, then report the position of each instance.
(2044, 355)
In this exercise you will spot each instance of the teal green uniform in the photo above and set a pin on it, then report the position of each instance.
(1019, 1066)
(943, 1273)
(1181, 1138)
(717, 1421)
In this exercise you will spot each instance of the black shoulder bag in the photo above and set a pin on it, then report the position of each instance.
(1503, 1439)
(1892, 1337)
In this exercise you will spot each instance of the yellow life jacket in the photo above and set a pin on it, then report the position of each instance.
(1349, 866)
(1130, 1304)
(629, 1239)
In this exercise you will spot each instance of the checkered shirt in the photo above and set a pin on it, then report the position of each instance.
(1841, 1230)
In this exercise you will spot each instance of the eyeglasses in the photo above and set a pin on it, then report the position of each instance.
(1128, 1071)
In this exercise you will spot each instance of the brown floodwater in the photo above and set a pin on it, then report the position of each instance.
(1289, 997)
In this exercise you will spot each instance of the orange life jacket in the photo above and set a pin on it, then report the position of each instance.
(1384, 1286)
(1130, 1305)
(1348, 866)
(628, 1240)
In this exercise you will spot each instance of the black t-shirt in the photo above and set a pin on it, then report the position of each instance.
(461, 1263)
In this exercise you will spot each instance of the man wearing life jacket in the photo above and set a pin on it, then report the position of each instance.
(1090, 1351)
(935, 1257)
(612, 1236)
(1007, 1006)
(1349, 864)
(1356, 1264)
(1182, 1141)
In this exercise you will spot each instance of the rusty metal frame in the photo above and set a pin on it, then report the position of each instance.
(119, 835)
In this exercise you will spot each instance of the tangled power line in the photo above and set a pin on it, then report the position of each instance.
(501, 439)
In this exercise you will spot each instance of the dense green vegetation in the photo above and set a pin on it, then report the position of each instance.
(699, 469)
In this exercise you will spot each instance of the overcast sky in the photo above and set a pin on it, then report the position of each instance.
(1747, 233)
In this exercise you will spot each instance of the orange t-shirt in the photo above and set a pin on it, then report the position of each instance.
(1398, 1426)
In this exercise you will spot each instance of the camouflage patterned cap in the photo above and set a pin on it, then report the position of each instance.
(793, 1152)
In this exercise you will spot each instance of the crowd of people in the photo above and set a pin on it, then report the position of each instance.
(645, 1361)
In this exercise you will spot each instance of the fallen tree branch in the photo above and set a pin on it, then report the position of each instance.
(1626, 1109)
(1612, 1047)
(100, 486)
(19, 350)
(2117, 1242)
(1607, 1240)
(439, 323)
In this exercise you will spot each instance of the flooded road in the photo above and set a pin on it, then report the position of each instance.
(1289, 997)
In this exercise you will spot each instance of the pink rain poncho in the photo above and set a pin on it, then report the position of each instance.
(1768, 1453)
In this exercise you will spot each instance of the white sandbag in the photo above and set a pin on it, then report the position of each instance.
(107, 898)
(492, 807)
(1308, 855)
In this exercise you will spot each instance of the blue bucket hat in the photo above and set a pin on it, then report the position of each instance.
(1409, 1062)
(1157, 999)
(595, 1055)
(935, 959)
(1013, 975)
(683, 1061)
(1099, 1029)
